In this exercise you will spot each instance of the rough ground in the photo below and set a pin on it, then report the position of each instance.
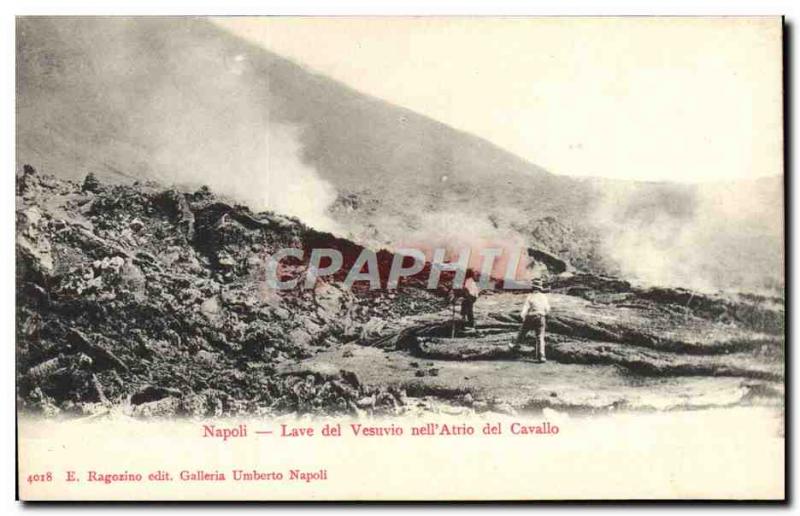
(642, 350)
(153, 302)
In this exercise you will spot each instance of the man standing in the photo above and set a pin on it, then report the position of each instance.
(471, 293)
(534, 312)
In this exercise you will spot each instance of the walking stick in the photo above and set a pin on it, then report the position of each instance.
(453, 319)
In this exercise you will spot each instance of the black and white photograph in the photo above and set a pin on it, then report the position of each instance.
(505, 244)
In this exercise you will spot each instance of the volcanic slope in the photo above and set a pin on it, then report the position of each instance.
(152, 302)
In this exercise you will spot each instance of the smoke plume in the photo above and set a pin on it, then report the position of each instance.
(228, 141)
(456, 231)
(161, 98)
(710, 237)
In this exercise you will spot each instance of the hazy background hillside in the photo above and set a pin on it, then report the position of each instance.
(183, 101)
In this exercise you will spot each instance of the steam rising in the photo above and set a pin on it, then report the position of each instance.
(260, 168)
(162, 98)
(708, 237)
(716, 236)
(172, 98)
(230, 143)
(455, 231)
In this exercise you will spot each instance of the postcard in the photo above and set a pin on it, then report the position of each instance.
(400, 258)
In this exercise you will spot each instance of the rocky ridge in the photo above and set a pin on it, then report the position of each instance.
(155, 300)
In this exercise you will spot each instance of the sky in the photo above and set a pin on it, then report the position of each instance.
(677, 99)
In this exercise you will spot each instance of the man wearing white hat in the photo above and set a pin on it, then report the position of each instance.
(534, 314)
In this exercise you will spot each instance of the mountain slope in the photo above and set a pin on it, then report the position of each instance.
(142, 301)
(110, 95)
(183, 101)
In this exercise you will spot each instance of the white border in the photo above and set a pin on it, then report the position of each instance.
(789, 8)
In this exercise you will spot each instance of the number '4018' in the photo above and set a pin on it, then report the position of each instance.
(40, 477)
